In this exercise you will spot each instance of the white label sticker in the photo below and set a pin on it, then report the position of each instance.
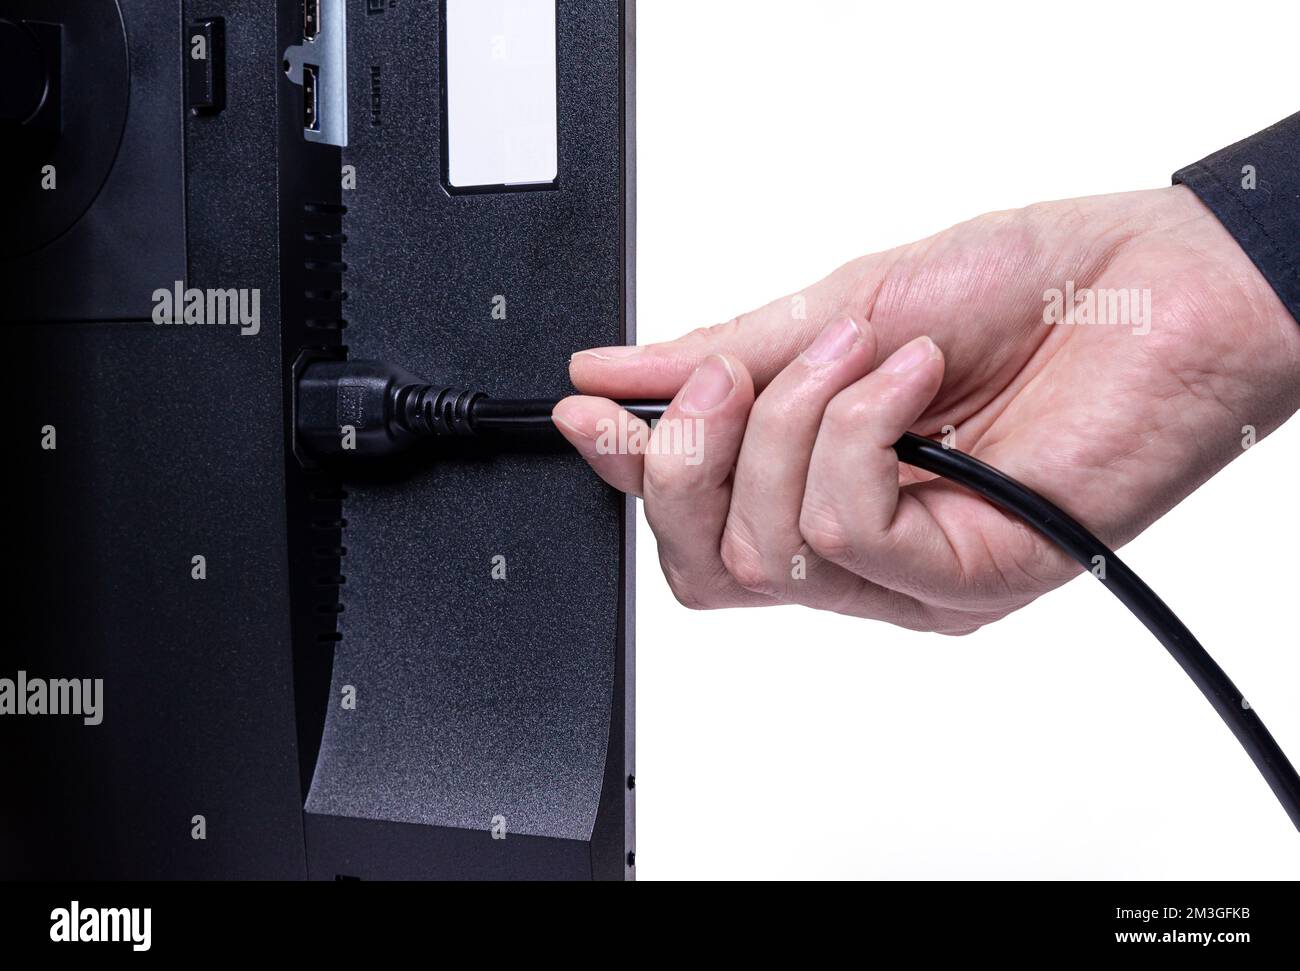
(501, 109)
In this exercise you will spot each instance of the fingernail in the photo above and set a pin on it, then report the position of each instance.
(565, 423)
(709, 386)
(910, 356)
(610, 353)
(833, 342)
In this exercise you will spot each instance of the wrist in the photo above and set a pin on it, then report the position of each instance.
(1222, 319)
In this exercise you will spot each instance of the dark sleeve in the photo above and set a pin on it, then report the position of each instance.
(1253, 187)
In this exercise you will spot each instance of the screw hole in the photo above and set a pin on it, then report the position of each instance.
(631, 782)
(631, 859)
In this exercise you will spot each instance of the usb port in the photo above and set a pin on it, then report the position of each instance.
(310, 19)
(310, 98)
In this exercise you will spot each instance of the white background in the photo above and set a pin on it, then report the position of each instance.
(778, 140)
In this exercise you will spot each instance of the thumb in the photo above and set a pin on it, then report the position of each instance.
(763, 340)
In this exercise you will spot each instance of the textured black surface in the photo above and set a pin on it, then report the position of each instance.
(151, 470)
(107, 265)
(170, 445)
(48, 50)
(480, 697)
(477, 697)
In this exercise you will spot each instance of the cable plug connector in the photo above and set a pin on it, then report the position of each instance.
(370, 409)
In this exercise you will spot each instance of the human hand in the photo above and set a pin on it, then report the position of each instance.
(797, 496)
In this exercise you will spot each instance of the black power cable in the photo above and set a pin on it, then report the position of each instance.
(370, 409)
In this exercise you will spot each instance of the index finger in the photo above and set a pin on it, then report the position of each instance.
(763, 340)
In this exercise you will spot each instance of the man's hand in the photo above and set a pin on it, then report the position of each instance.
(797, 496)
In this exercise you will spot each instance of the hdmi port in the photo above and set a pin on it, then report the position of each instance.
(310, 19)
(310, 97)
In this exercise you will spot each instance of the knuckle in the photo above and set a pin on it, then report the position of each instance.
(687, 598)
(847, 415)
(775, 410)
(745, 563)
(689, 594)
(1034, 215)
(714, 333)
(963, 624)
(825, 534)
(660, 477)
(700, 335)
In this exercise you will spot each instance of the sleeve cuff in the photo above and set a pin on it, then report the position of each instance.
(1253, 188)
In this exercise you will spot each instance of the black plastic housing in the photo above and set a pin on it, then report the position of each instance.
(479, 697)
